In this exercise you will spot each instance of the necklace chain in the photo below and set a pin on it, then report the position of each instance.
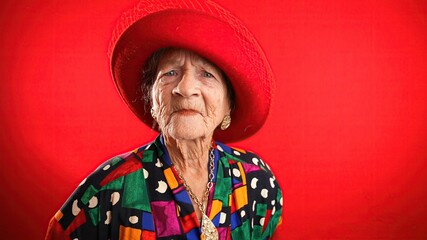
(200, 204)
(208, 229)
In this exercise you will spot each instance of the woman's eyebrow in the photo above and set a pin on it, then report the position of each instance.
(170, 62)
(207, 64)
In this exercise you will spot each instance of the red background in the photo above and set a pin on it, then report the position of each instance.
(346, 137)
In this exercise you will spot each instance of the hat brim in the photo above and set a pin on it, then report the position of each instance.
(239, 56)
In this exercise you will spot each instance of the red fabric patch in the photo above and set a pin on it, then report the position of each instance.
(147, 235)
(128, 166)
(267, 219)
(231, 161)
(232, 206)
(78, 220)
(55, 231)
(139, 152)
(189, 222)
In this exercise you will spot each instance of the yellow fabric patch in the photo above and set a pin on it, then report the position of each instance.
(128, 233)
(216, 208)
(238, 149)
(241, 196)
(170, 178)
(58, 215)
(242, 172)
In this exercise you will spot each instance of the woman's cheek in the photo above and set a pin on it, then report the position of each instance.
(212, 114)
(164, 111)
(157, 96)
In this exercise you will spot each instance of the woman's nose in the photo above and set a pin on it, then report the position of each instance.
(187, 86)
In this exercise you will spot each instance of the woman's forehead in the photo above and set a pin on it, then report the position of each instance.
(177, 57)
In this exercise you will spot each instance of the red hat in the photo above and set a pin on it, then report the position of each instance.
(206, 29)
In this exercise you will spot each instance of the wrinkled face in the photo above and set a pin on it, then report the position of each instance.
(189, 96)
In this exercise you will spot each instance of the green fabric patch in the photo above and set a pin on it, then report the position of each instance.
(272, 225)
(94, 216)
(279, 195)
(158, 147)
(114, 185)
(229, 156)
(261, 209)
(224, 161)
(89, 193)
(223, 185)
(135, 192)
(242, 232)
(257, 232)
(115, 160)
(147, 156)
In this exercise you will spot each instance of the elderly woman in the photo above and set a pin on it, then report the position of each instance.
(187, 69)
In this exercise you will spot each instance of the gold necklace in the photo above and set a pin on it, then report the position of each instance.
(209, 231)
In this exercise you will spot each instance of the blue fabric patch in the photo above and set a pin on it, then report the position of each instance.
(147, 221)
(183, 197)
(193, 234)
(235, 220)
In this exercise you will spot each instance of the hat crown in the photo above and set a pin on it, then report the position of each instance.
(147, 7)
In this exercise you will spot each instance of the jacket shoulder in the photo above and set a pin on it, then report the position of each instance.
(109, 176)
(243, 156)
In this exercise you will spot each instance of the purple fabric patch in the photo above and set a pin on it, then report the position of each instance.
(164, 214)
(222, 232)
(250, 167)
(179, 189)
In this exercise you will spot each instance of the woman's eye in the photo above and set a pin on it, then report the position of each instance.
(170, 73)
(207, 74)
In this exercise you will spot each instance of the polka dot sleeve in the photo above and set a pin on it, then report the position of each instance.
(265, 198)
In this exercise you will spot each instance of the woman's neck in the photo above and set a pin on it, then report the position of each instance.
(190, 158)
(189, 155)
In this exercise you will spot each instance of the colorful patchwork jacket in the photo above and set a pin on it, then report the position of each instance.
(139, 195)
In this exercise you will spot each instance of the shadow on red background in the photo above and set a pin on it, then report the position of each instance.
(347, 134)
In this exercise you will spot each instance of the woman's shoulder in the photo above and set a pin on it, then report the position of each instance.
(255, 189)
(249, 159)
(120, 166)
(105, 186)
(112, 173)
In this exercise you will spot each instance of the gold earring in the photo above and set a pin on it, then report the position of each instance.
(153, 114)
(225, 122)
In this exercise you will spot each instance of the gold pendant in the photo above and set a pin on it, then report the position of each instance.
(209, 231)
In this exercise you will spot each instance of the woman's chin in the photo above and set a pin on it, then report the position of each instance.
(187, 131)
(186, 134)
